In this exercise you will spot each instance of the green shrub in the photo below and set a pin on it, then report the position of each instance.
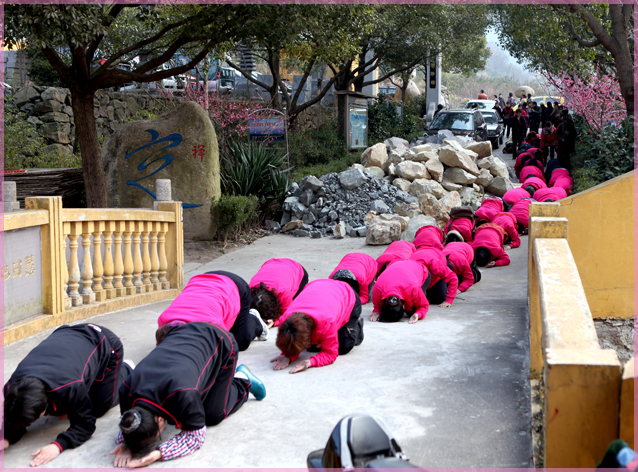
(256, 170)
(335, 165)
(385, 122)
(602, 154)
(235, 213)
(319, 146)
(24, 147)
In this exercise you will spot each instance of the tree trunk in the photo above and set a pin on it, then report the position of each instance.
(86, 136)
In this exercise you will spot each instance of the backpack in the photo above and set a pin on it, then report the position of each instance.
(509, 148)
(462, 212)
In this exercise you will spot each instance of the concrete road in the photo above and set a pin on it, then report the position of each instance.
(453, 388)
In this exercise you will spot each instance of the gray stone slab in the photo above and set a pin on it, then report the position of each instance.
(453, 388)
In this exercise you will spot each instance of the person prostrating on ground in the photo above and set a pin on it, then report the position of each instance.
(76, 371)
(364, 268)
(326, 316)
(220, 298)
(400, 291)
(275, 286)
(190, 380)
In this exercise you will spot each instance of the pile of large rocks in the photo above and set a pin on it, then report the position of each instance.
(397, 188)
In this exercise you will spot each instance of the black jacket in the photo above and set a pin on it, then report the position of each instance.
(535, 117)
(172, 381)
(68, 362)
(519, 126)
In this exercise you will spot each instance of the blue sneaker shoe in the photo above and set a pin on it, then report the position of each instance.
(256, 386)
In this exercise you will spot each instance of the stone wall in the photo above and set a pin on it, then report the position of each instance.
(50, 109)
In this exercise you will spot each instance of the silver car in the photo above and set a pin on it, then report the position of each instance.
(495, 128)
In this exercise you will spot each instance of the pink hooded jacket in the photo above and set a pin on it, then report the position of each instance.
(396, 251)
(364, 268)
(461, 255)
(491, 237)
(283, 276)
(403, 279)
(436, 264)
(429, 236)
(489, 208)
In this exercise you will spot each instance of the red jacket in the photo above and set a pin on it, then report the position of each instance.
(564, 182)
(429, 236)
(396, 251)
(283, 276)
(552, 193)
(558, 173)
(491, 236)
(507, 221)
(519, 164)
(514, 195)
(534, 182)
(465, 226)
(330, 304)
(548, 139)
(520, 210)
(489, 208)
(436, 263)
(207, 298)
(461, 255)
(533, 171)
(364, 268)
(403, 279)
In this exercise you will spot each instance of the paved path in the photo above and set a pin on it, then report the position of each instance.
(453, 388)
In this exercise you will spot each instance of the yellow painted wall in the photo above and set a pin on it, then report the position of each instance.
(601, 238)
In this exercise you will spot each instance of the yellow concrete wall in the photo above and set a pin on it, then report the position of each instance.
(601, 238)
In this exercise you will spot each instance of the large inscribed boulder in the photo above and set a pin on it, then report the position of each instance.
(179, 145)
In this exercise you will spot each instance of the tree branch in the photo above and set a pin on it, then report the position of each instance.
(113, 13)
(319, 96)
(247, 74)
(597, 29)
(302, 82)
(579, 39)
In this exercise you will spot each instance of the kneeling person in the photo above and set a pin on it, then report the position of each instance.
(76, 371)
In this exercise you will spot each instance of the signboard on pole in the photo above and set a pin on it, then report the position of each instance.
(271, 129)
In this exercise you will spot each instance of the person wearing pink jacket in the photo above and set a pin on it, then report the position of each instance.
(531, 171)
(489, 208)
(557, 174)
(461, 257)
(488, 246)
(521, 211)
(364, 268)
(566, 183)
(508, 222)
(464, 227)
(429, 236)
(400, 290)
(515, 194)
(327, 315)
(396, 251)
(274, 287)
(552, 194)
(220, 298)
(532, 184)
(443, 282)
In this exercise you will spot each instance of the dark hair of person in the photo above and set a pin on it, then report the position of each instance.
(531, 190)
(139, 429)
(479, 223)
(548, 124)
(265, 301)
(520, 228)
(391, 310)
(519, 110)
(383, 267)
(294, 334)
(538, 155)
(161, 332)
(482, 256)
(549, 200)
(453, 238)
(347, 277)
(25, 401)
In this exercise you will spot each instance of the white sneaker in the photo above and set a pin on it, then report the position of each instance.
(130, 363)
(264, 333)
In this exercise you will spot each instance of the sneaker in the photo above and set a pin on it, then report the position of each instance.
(264, 327)
(256, 386)
(130, 363)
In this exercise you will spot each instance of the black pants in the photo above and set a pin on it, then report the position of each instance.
(104, 392)
(438, 293)
(549, 151)
(246, 327)
(534, 127)
(304, 282)
(508, 127)
(351, 334)
(227, 393)
(518, 139)
(564, 155)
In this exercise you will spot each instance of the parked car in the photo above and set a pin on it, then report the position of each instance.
(461, 122)
(545, 100)
(482, 104)
(495, 129)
